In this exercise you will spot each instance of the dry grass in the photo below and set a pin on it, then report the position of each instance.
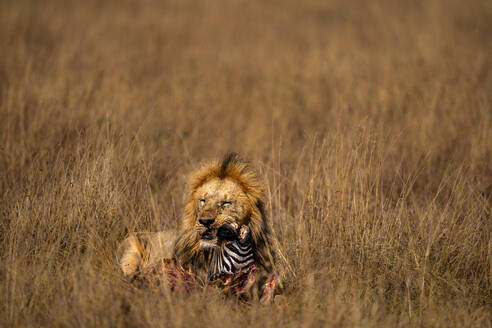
(371, 123)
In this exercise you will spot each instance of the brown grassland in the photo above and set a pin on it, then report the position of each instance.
(369, 121)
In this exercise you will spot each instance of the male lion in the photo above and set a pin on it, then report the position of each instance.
(221, 194)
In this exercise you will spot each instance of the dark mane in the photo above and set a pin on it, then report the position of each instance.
(229, 159)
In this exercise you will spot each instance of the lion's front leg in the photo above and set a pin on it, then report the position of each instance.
(141, 250)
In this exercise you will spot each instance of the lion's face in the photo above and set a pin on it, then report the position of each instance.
(218, 202)
(221, 194)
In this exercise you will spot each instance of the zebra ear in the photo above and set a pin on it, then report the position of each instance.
(244, 235)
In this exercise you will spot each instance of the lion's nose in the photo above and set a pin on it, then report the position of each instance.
(207, 221)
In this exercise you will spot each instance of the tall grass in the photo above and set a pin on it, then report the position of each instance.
(371, 123)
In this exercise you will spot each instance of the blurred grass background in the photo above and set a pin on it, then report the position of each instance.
(370, 121)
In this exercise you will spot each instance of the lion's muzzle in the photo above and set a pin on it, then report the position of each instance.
(206, 221)
(207, 234)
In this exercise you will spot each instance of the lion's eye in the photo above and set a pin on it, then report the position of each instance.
(202, 202)
(226, 203)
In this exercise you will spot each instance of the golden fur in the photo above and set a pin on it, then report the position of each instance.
(140, 250)
(229, 191)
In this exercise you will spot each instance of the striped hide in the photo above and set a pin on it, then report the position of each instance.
(234, 252)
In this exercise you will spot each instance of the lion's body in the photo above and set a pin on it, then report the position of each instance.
(228, 191)
(144, 249)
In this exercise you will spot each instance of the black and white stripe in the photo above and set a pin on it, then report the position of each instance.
(232, 257)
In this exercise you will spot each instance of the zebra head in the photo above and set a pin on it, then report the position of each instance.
(233, 252)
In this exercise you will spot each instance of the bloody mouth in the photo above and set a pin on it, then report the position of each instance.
(207, 235)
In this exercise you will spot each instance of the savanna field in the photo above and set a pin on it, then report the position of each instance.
(369, 121)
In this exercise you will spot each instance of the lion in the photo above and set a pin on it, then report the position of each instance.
(220, 193)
